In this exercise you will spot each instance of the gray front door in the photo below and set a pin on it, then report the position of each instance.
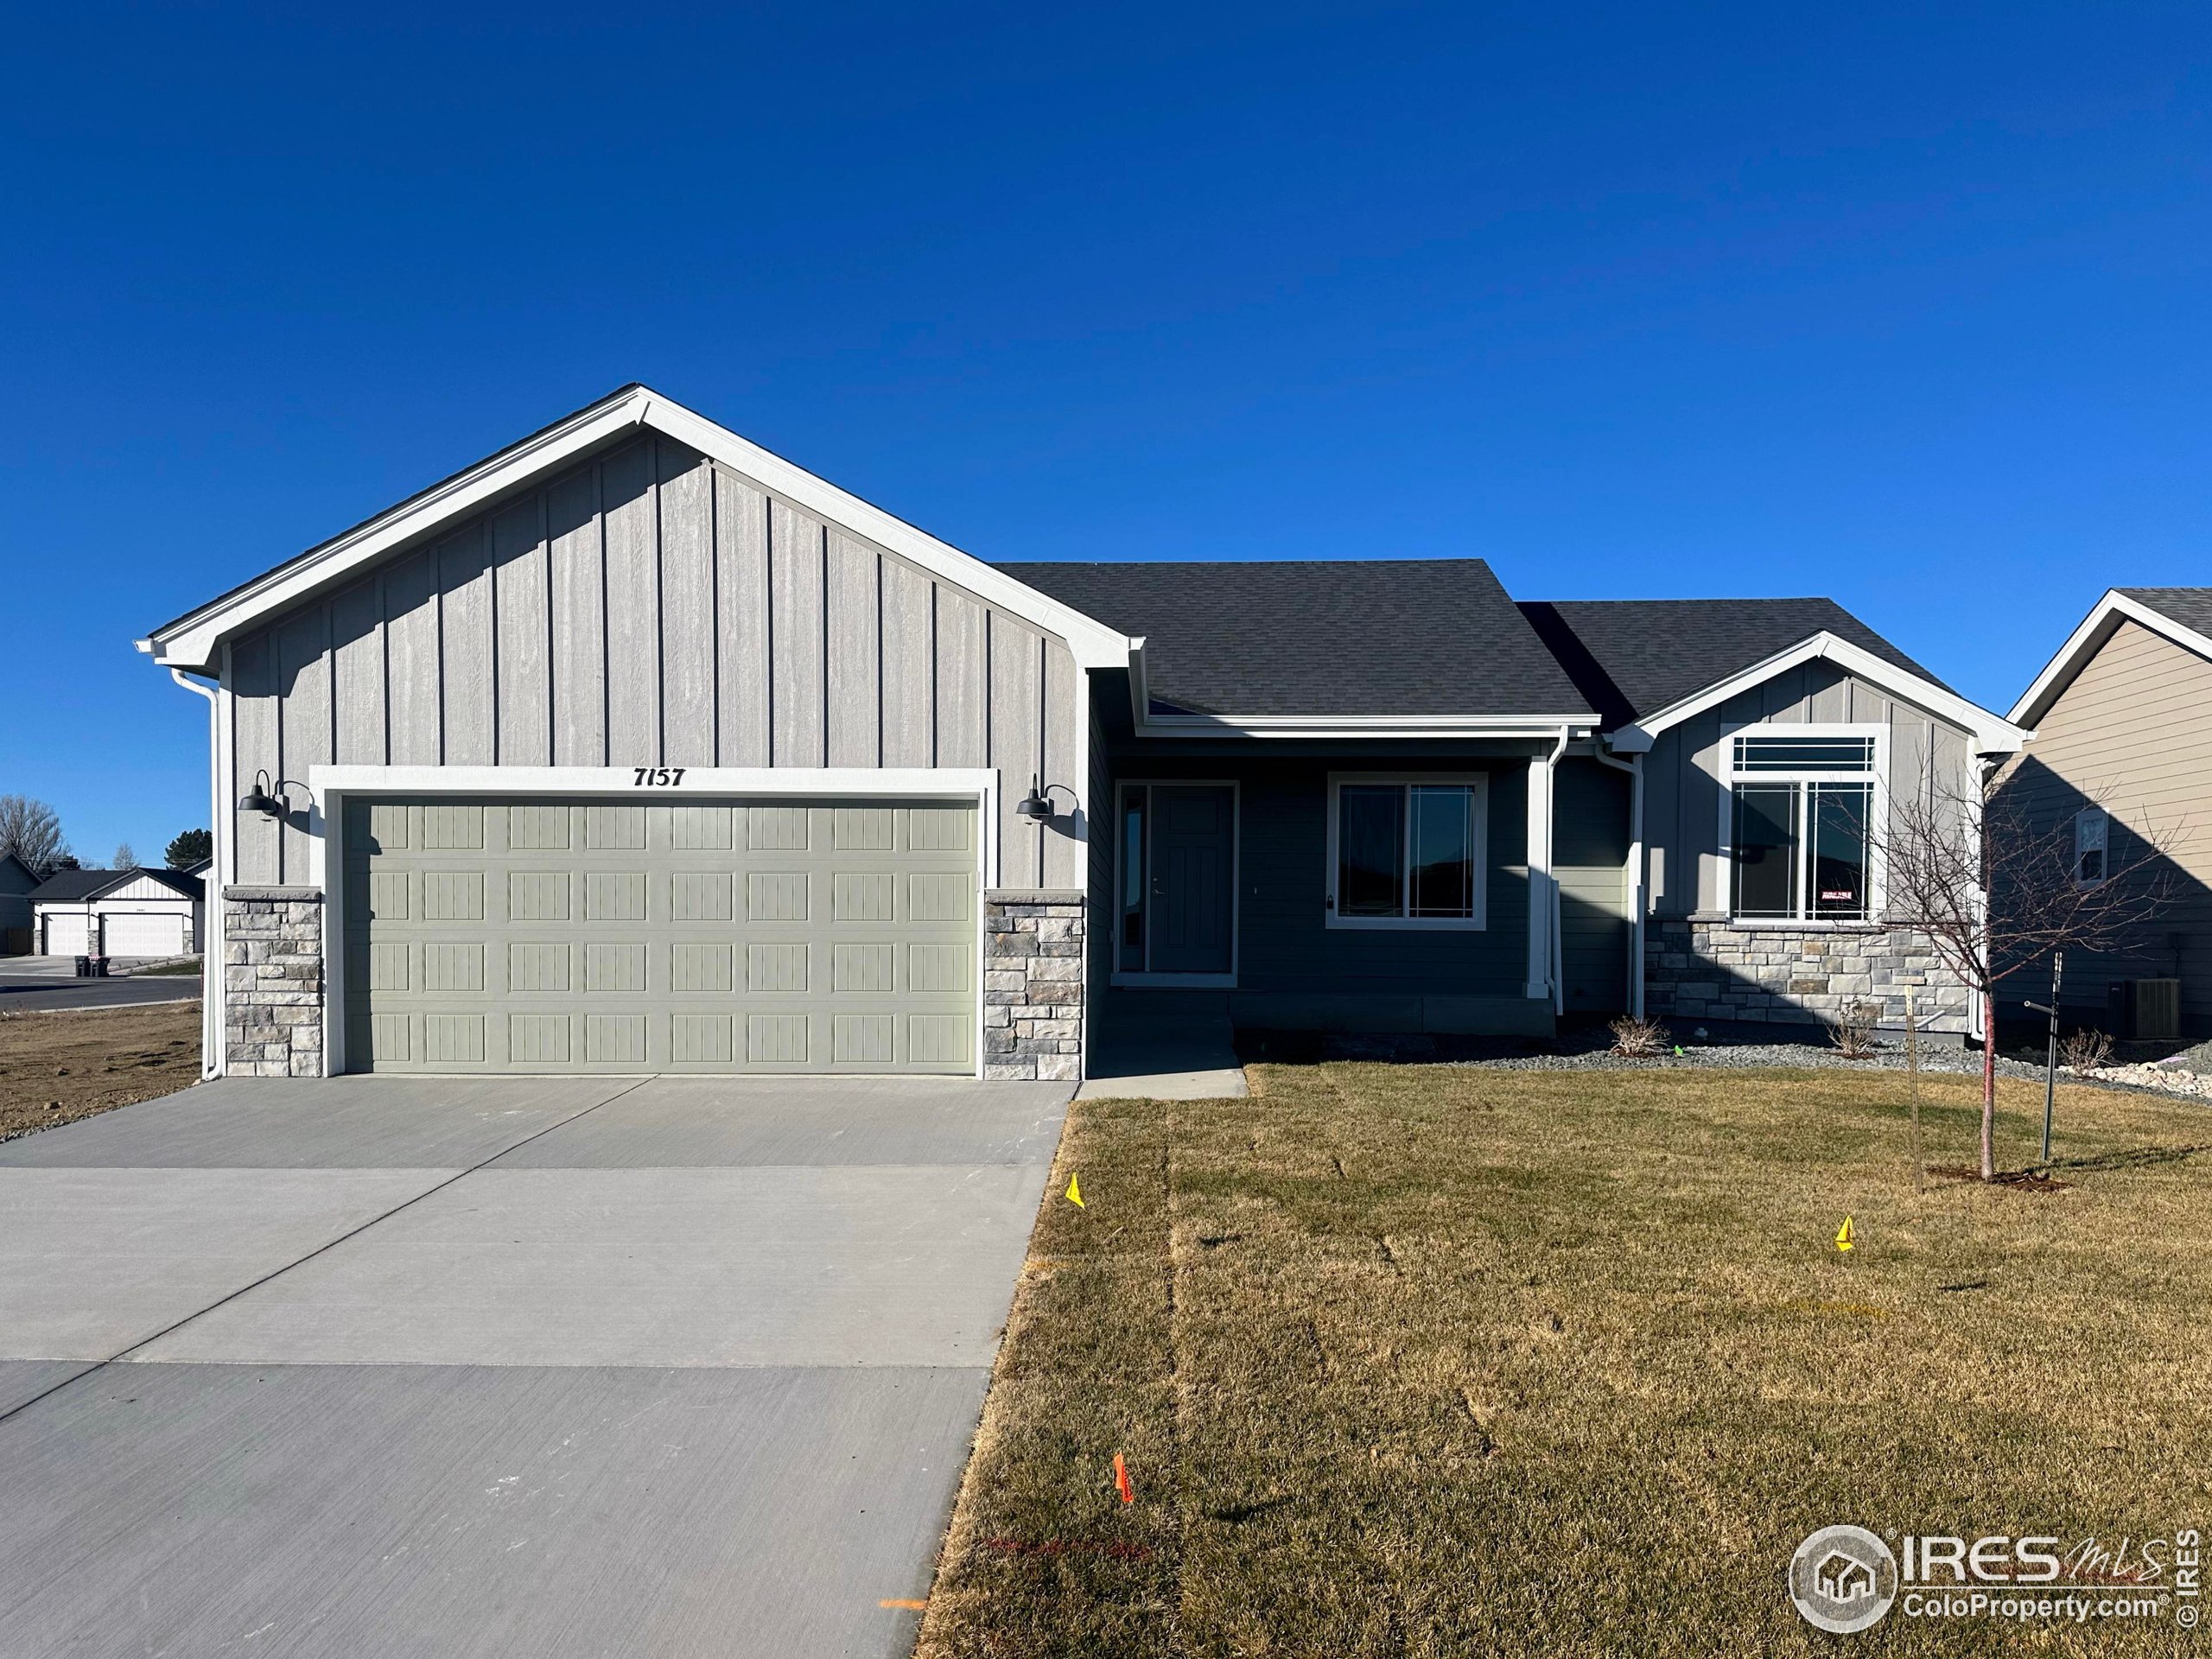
(1193, 870)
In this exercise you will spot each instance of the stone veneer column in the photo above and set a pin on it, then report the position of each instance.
(272, 981)
(1032, 984)
(1706, 969)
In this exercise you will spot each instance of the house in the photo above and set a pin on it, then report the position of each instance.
(135, 913)
(18, 880)
(634, 747)
(2122, 749)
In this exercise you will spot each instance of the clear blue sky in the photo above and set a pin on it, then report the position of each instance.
(1907, 309)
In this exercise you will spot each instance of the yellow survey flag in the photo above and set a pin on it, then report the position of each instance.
(1075, 1194)
(1843, 1239)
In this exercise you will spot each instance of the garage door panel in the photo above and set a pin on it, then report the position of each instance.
(700, 937)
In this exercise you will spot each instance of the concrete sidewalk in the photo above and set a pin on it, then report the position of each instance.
(546, 1366)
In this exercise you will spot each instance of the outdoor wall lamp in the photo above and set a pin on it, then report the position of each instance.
(258, 799)
(1037, 804)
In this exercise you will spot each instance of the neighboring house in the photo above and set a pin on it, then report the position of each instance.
(2122, 749)
(17, 881)
(636, 748)
(118, 913)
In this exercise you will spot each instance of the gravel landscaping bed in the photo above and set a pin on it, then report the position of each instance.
(1592, 1050)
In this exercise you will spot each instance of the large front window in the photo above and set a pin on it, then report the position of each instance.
(1801, 807)
(1406, 852)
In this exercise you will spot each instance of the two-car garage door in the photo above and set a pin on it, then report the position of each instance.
(612, 936)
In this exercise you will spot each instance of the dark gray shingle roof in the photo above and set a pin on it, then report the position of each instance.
(1637, 656)
(1321, 636)
(65, 886)
(2190, 607)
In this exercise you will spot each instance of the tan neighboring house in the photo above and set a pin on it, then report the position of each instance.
(2122, 747)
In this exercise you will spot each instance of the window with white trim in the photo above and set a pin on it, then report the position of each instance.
(1801, 805)
(2092, 829)
(1407, 851)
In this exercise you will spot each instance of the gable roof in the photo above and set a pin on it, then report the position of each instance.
(65, 887)
(1649, 654)
(1651, 663)
(24, 877)
(1352, 637)
(2183, 615)
(75, 887)
(191, 642)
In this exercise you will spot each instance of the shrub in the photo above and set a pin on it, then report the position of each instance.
(1853, 1030)
(1639, 1040)
(2085, 1051)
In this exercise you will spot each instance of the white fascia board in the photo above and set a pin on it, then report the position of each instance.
(190, 643)
(1992, 734)
(962, 782)
(1095, 645)
(1543, 728)
(2088, 640)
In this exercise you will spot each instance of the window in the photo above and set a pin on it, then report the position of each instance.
(2092, 826)
(1799, 808)
(1407, 852)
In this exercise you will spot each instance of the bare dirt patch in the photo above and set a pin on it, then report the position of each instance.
(70, 1064)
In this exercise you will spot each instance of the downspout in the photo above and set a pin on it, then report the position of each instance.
(211, 944)
(1637, 902)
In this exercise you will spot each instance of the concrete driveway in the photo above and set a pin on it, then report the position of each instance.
(549, 1366)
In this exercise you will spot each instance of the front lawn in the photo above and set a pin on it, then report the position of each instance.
(1444, 1361)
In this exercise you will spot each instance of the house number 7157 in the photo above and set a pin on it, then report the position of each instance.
(658, 777)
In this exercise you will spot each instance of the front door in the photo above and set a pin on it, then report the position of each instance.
(1193, 869)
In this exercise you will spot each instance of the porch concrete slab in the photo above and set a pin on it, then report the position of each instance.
(457, 1513)
(92, 1261)
(1130, 1066)
(24, 1380)
(318, 1123)
(754, 1266)
(717, 1122)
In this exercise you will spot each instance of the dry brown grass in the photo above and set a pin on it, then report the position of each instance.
(1442, 1361)
(59, 1067)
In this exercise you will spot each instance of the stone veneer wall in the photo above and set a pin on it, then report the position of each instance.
(272, 981)
(1712, 970)
(1032, 984)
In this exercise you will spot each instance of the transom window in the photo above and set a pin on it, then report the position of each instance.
(1801, 805)
(1406, 851)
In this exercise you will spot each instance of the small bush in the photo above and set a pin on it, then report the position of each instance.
(1853, 1030)
(2085, 1051)
(1639, 1040)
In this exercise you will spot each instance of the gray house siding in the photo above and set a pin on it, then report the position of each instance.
(1590, 850)
(1288, 957)
(650, 607)
(1699, 965)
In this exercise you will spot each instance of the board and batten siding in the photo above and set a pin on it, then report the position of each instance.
(1683, 786)
(652, 607)
(2132, 733)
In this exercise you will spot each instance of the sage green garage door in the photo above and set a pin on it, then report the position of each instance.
(717, 935)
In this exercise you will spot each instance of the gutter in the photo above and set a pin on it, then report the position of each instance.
(211, 907)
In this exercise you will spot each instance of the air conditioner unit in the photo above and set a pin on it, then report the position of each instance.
(2146, 1009)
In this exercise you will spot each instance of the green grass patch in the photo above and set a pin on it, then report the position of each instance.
(1444, 1361)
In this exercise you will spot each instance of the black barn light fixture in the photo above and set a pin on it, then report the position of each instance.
(258, 799)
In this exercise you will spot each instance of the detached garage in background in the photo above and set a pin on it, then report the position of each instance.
(116, 913)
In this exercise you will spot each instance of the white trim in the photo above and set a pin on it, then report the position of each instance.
(330, 786)
(1117, 975)
(1543, 726)
(1991, 734)
(1877, 774)
(1478, 783)
(2101, 623)
(192, 640)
